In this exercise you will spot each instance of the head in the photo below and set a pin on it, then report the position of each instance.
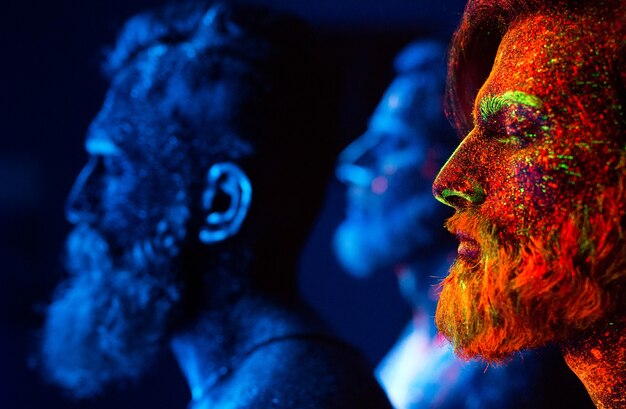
(191, 178)
(536, 91)
(388, 171)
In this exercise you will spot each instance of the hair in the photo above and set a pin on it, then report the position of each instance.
(476, 42)
(280, 113)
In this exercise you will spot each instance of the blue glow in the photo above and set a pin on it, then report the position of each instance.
(101, 146)
(422, 371)
(190, 91)
(75, 214)
(389, 211)
(232, 181)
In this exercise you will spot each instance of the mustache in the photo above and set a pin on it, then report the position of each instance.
(86, 251)
(471, 225)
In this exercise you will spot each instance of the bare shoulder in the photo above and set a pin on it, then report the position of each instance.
(305, 373)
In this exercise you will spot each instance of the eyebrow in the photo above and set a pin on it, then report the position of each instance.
(491, 105)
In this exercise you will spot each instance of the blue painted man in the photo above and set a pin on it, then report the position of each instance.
(393, 224)
(206, 165)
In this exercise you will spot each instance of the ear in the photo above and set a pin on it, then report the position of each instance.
(226, 199)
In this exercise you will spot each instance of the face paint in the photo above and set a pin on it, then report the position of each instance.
(539, 191)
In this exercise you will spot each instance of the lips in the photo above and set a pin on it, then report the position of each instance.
(469, 249)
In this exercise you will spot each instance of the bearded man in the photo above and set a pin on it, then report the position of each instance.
(393, 225)
(206, 164)
(536, 89)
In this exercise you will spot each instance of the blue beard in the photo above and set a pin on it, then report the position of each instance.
(376, 241)
(108, 320)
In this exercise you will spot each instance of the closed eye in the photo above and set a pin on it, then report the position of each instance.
(523, 125)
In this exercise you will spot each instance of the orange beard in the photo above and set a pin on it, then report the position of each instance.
(557, 279)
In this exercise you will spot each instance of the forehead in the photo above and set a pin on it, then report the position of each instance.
(124, 125)
(134, 105)
(555, 57)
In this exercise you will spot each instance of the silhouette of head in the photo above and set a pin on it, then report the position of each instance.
(536, 90)
(207, 160)
(390, 213)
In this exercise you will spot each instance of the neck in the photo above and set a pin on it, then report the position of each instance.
(598, 358)
(210, 347)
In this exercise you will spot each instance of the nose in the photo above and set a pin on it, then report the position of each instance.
(80, 205)
(459, 183)
(356, 162)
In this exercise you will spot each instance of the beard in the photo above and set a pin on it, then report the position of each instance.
(108, 320)
(527, 290)
(372, 242)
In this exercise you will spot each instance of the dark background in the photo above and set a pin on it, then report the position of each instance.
(51, 88)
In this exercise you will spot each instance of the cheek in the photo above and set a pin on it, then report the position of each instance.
(530, 184)
(536, 189)
(551, 182)
(117, 203)
(133, 204)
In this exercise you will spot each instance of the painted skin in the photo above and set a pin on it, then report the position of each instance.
(538, 190)
(393, 224)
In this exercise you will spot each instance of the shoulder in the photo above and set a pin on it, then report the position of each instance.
(306, 373)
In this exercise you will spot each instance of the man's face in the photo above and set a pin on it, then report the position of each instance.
(538, 191)
(129, 206)
(388, 171)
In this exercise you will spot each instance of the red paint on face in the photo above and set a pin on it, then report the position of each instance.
(538, 186)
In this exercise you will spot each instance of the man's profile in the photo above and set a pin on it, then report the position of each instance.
(206, 165)
(536, 90)
(393, 225)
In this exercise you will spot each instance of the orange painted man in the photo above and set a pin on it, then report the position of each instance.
(536, 89)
